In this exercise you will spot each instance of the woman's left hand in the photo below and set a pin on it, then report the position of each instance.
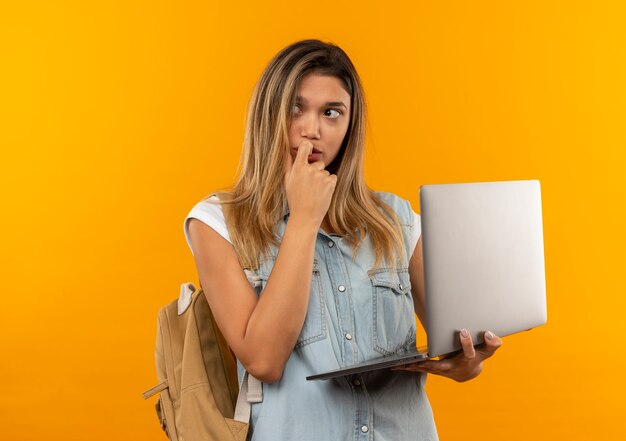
(462, 366)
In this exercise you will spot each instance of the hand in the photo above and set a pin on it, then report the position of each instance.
(309, 187)
(463, 366)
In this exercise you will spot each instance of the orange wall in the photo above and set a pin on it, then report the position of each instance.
(117, 117)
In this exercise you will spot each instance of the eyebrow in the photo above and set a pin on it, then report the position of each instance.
(329, 103)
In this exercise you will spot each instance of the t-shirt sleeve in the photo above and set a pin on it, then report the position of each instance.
(210, 214)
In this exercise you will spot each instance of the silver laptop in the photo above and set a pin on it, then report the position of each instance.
(483, 266)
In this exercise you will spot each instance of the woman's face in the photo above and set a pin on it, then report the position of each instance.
(321, 115)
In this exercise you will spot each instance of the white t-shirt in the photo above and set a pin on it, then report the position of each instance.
(213, 216)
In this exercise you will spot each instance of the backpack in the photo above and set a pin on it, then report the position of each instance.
(199, 395)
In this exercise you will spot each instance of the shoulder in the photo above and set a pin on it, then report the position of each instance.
(401, 206)
(410, 220)
(209, 211)
(209, 206)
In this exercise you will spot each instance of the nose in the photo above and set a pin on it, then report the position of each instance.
(310, 127)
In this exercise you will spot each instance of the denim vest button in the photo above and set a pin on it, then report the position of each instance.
(330, 244)
(400, 286)
(342, 288)
(348, 336)
(364, 429)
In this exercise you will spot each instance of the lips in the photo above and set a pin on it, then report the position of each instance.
(314, 150)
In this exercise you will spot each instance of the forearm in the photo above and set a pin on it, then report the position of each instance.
(416, 271)
(277, 319)
(419, 307)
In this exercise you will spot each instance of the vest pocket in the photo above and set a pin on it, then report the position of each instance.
(314, 328)
(393, 319)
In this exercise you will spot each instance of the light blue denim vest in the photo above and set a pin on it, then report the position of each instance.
(354, 315)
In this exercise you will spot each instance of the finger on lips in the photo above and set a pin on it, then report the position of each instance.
(304, 150)
(301, 156)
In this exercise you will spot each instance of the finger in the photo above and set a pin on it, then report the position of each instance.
(304, 150)
(319, 165)
(433, 366)
(410, 368)
(466, 343)
(440, 367)
(492, 342)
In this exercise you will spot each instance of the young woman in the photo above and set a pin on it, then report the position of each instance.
(340, 265)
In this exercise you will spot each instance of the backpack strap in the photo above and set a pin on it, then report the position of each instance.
(250, 391)
(251, 388)
(158, 388)
(184, 300)
(255, 390)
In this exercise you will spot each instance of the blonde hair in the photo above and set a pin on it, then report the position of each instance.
(257, 199)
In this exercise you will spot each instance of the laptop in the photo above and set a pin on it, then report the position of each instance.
(483, 267)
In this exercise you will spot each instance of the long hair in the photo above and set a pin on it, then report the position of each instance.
(257, 200)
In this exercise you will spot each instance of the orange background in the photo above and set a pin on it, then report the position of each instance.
(117, 117)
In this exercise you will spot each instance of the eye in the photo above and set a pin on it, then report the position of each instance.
(335, 110)
(296, 108)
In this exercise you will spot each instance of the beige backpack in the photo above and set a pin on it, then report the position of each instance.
(199, 397)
